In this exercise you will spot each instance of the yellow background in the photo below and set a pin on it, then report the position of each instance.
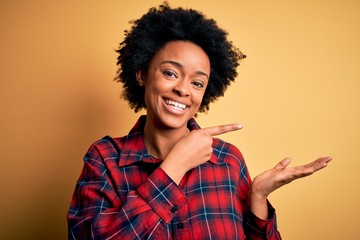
(297, 94)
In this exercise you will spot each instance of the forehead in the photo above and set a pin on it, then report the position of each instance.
(186, 53)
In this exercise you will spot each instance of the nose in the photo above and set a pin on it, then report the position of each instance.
(182, 88)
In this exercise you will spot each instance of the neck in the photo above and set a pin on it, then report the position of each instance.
(160, 141)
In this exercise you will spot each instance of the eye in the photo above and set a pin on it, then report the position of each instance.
(169, 73)
(198, 84)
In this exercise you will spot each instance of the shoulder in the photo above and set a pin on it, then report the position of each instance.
(105, 148)
(227, 152)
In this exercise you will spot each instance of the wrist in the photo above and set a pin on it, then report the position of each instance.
(258, 204)
(174, 171)
(257, 196)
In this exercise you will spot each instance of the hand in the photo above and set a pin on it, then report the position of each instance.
(192, 150)
(272, 179)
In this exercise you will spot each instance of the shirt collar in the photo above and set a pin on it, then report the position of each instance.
(134, 149)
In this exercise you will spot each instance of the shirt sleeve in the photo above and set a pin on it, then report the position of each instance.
(254, 227)
(96, 211)
(257, 229)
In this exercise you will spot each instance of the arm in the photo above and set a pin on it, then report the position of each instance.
(255, 228)
(272, 179)
(262, 221)
(184, 156)
(97, 212)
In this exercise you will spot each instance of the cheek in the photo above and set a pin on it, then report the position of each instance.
(197, 100)
(152, 92)
(200, 96)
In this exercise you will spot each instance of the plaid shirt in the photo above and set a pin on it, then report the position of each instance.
(122, 193)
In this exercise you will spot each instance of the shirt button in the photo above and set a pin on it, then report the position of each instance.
(174, 209)
(180, 225)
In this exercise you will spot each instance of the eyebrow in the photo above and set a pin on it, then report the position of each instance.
(179, 65)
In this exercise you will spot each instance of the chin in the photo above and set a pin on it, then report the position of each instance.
(175, 122)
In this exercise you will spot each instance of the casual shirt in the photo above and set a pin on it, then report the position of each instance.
(122, 193)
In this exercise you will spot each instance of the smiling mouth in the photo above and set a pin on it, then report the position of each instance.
(175, 105)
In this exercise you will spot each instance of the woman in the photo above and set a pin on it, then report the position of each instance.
(168, 178)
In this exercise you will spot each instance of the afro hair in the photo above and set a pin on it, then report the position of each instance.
(160, 25)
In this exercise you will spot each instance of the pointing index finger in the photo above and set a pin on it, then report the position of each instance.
(217, 130)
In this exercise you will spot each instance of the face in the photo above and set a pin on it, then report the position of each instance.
(175, 84)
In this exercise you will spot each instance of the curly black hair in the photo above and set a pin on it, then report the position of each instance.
(160, 25)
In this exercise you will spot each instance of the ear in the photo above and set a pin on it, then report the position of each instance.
(140, 78)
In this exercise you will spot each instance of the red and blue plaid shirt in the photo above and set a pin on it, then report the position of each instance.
(122, 193)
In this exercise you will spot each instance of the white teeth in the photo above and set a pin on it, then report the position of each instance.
(175, 104)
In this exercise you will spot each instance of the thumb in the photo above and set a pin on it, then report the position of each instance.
(283, 164)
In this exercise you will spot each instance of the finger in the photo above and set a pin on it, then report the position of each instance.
(283, 164)
(308, 169)
(217, 130)
(291, 174)
(318, 164)
(324, 160)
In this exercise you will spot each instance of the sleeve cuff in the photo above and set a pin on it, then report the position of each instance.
(162, 194)
(263, 227)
